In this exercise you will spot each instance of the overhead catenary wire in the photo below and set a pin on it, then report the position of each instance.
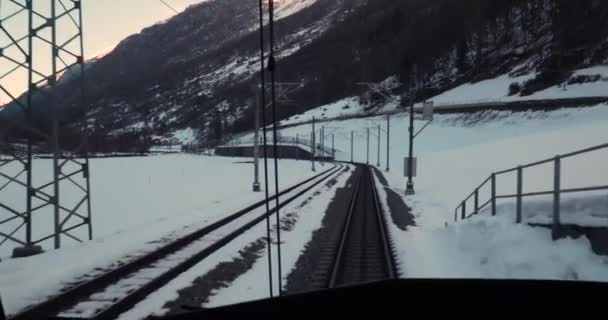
(265, 143)
(169, 6)
(271, 69)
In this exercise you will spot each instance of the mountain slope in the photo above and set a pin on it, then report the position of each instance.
(196, 71)
(179, 73)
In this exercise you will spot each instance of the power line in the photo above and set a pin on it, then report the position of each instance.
(169, 6)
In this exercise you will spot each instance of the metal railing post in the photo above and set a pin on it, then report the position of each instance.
(519, 193)
(476, 201)
(464, 210)
(493, 194)
(556, 192)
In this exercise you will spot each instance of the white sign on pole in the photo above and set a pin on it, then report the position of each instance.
(406, 167)
(428, 108)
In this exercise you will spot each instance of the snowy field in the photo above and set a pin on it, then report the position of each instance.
(136, 202)
(253, 284)
(308, 213)
(455, 154)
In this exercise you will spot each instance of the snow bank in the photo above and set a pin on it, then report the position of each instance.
(496, 248)
(487, 247)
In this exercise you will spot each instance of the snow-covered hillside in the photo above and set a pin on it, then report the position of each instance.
(588, 82)
(583, 83)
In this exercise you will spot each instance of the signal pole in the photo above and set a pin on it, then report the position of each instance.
(297, 147)
(256, 145)
(313, 146)
(388, 139)
(378, 163)
(367, 145)
(323, 143)
(352, 146)
(333, 146)
(410, 181)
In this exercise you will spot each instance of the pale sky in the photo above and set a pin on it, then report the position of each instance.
(106, 22)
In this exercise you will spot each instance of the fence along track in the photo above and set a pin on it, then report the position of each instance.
(462, 212)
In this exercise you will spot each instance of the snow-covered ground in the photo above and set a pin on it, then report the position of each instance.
(136, 202)
(495, 248)
(343, 107)
(253, 284)
(455, 154)
(185, 136)
(497, 89)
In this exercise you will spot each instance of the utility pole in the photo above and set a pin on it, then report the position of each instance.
(333, 146)
(388, 140)
(378, 163)
(367, 145)
(256, 145)
(323, 143)
(297, 147)
(55, 139)
(410, 182)
(352, 145)
(313, 146)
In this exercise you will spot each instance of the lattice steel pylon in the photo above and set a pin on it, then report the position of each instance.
(41, 44)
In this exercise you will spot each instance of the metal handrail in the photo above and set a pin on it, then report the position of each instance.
(461, 209)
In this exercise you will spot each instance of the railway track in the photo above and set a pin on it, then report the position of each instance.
(119, 290)
(363, 252)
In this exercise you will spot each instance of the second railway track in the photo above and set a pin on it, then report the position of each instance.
(119, 290)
